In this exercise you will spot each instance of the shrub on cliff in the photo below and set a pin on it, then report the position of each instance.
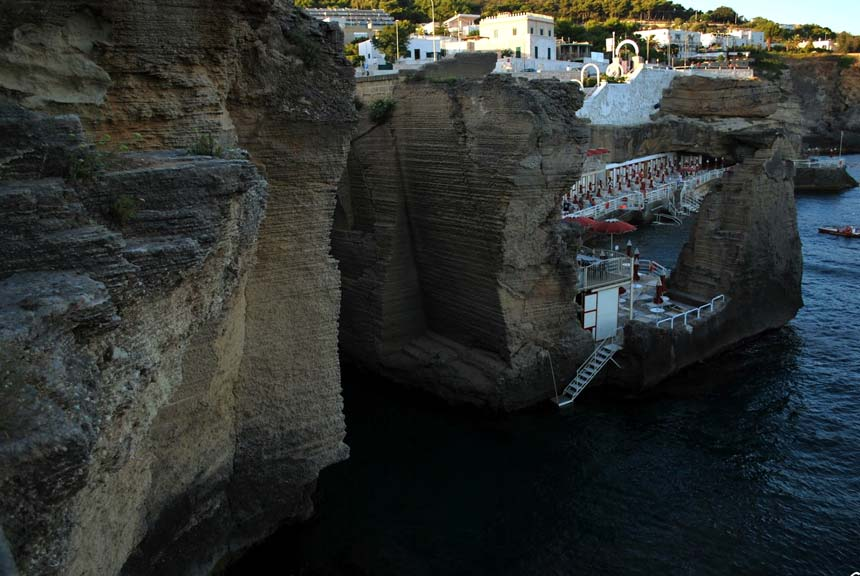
(124, 209)
(207, 145)
(381, 110)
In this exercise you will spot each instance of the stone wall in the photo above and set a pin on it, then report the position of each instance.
(372, 88)
(225, 402)
(456, 274)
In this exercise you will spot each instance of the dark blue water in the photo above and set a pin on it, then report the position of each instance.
(746, 464)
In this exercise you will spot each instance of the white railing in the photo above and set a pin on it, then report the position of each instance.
(629, 202)
(607, 271)
(653, 266)
(709, 307)
(637, 200)
(820, 163)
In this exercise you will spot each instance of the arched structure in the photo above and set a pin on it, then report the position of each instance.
(583, 76)
(626, 43)
(614, 70)
(581, 85)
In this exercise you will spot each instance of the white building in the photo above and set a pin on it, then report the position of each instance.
(525, 34)
(356, 24)
(420, 49)
(462, 25)
(818, 44)
(748, 38)
(687, 41)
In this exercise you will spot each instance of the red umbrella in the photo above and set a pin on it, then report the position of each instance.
(583, 221)
(612, 227)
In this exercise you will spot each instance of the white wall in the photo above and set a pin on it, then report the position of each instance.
(524, 31)
(627, 104)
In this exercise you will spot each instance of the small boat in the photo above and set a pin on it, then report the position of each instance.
(846, 231)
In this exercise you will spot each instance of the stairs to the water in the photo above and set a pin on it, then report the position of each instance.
(589, 369)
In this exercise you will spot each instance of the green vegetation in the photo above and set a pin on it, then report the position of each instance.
(85, 164)
(124, 209)
(207, 145)
(90, 160)
(767, 65)
(351, 52)
(381, 110)
(393, 39)
(593, 21)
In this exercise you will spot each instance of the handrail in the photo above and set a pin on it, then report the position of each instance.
(710, 305)
(603, 271)
(637, 200)
(657, 267)
(815, 163)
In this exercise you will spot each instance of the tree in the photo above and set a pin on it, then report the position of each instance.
(772, 30)
(393, 39)
(723, 14)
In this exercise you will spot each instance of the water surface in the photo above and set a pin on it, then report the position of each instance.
(745, 464)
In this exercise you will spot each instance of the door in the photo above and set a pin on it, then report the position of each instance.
(607, 313)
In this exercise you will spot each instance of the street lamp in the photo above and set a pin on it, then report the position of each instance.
(433, 17)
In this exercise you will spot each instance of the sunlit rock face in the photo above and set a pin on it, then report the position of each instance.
(176, 381)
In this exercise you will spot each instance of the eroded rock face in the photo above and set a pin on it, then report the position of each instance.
(744, 244)
(106, 418)
(456, 277)
(219, 396)
(702, 96)
(828, 91)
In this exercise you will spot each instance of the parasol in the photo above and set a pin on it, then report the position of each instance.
(612, 227)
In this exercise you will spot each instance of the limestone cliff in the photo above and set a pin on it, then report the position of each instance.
(744, 243)
(196, 396)
(828, 91)
(456, 275)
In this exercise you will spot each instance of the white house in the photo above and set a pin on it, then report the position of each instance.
(420, 49)
(525, 34)
(748, 38)
(687, 41)
(819, 44)
(462, 25)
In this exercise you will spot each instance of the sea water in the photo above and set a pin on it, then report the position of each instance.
(748, 463)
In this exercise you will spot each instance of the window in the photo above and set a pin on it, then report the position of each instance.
(495, 33)
(515, 32)
(519, 53)
(532, 30)
(549, 53)
(536, 52)
(541, 31)
(550, 32)
(417, 54)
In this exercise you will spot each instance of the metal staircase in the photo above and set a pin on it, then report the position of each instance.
(589, 369)
(691, 204)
